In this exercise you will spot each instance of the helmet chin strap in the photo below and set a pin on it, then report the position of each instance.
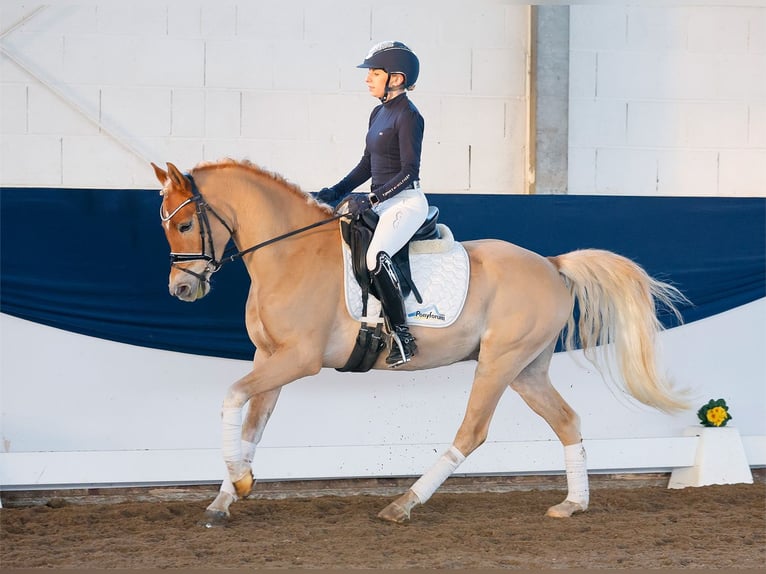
(389, 90)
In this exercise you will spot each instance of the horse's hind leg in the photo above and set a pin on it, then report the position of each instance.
(534, 386)
(490, 381)
(258, 413)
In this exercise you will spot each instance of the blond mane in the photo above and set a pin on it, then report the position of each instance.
(261, 172)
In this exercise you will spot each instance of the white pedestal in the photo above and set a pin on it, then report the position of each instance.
(720, 459)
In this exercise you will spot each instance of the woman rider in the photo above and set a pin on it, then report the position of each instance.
(392, 160)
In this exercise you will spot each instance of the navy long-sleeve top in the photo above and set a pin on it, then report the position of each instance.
(392, 151)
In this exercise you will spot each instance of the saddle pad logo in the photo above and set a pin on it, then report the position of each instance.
(427, 314)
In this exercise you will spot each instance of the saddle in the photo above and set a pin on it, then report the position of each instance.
(357, 232)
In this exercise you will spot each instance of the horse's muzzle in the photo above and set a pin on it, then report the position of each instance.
(189, 289)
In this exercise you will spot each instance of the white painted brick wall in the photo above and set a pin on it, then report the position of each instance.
(188, 114)
(757, 124)
(13, 108)
(48, 114)
(31, 160)
(667, 100)
(661, 97)
(275, 82)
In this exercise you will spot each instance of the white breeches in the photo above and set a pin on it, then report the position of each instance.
(400, 218)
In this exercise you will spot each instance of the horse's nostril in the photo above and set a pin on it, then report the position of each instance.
(182, 290)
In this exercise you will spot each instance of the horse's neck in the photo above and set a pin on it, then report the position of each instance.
(262, 208)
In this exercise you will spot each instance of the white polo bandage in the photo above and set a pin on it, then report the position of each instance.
(248, 451)
(577, 474)
(231, 434)
(228, 488)
(427, 484)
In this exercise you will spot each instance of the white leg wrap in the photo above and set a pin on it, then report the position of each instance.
(228, 488)
(577, 474)
(427, 484)
(248, 451)
(231, 434)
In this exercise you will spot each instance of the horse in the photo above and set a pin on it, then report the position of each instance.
(518, 305)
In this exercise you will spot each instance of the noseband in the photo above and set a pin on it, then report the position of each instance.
(206, 236)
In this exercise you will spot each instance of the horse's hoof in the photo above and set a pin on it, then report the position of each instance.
(244, 486)
(214, 519)
(394, 513)
(565, 509)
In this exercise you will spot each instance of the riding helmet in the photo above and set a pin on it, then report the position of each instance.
(394, 58)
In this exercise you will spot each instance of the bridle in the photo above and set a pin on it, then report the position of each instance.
(206, 236)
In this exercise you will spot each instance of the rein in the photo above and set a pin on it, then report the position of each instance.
(268, 242)
(214, 264)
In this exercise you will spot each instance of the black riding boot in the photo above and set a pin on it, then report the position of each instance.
(386, 283)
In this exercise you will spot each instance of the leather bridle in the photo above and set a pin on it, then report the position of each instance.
(213, 264)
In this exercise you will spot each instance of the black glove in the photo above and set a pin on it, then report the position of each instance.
(328, 195)
(358, 203)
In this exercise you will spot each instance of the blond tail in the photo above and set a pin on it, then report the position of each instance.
(616, 299)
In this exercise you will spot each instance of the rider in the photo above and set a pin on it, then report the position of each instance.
(392, 159)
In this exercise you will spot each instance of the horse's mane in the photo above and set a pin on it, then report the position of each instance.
(259, 171)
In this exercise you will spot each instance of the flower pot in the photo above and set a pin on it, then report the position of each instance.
(720, 459)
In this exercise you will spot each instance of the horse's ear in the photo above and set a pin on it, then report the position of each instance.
(177, 177)
(161, 174)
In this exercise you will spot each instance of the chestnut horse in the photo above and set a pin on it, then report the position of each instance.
(517, 306)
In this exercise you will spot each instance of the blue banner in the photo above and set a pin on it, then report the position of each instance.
(95, 262)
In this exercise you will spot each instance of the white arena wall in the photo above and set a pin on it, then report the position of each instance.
(88, 411)
(662, 101)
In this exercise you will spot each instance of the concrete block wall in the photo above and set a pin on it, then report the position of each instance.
(90, 92)
(667, 100)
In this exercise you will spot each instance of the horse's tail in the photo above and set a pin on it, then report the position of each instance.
(616, 299)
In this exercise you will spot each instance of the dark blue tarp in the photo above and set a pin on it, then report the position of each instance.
(95, 262)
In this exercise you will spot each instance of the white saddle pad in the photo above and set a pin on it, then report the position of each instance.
(440, 270)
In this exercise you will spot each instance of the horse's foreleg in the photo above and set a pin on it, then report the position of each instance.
(535, 387)
(258, 413)
(269, 374)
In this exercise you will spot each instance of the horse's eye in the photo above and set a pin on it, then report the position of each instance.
(185, 226)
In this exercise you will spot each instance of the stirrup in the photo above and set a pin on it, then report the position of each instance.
(403, 347)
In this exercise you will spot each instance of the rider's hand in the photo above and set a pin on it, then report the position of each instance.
(327, 195)
(358, 203)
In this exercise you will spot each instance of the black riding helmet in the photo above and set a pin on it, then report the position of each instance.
(393, 58)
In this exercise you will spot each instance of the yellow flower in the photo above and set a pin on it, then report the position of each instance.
(717, 416)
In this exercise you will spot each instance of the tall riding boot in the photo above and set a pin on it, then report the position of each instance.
(386, 283)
